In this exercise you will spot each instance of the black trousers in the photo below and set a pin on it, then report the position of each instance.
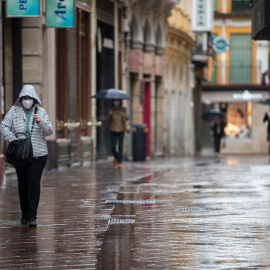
(29, 186)
(217, 139)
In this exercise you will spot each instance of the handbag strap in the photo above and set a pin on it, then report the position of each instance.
(34, 121)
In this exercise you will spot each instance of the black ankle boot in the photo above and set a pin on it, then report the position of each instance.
(32, 223)
(24, 219)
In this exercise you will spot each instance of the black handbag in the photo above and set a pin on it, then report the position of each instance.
(20, 152)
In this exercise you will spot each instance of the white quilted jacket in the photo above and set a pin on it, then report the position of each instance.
(15, 122)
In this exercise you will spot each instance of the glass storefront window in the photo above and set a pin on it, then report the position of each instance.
(239, 120)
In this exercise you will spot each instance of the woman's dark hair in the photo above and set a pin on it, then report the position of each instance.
(121, 102)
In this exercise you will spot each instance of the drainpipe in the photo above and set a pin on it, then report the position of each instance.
(93, 75)
(116, 44)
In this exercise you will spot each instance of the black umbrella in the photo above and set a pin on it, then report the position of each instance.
(264, 102)
(112, 94)
(211, 114)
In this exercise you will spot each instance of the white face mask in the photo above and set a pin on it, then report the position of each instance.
(116, 103)
(27, 103)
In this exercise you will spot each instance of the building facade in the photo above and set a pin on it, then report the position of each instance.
(58, 63)
(179, 83)
(146, 69)
(236, 81)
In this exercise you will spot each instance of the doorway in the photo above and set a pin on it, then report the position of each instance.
(147, 115)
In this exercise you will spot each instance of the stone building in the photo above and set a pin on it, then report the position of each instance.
(146, 68)
(58, 63)
(238, 80)
(178, 83)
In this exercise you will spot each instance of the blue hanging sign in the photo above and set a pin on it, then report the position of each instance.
(23, 8)
(60, 13)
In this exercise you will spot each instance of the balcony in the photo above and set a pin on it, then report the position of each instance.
(200, 51)
(236, 74)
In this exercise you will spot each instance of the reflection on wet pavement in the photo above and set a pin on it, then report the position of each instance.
(185, 213)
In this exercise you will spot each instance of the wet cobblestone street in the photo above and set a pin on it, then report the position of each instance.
(181, 213)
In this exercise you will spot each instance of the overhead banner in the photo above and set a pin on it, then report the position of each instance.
(60, 13)
(23, 8)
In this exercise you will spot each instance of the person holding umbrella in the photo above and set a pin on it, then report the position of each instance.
(117, 117)
(218, 129)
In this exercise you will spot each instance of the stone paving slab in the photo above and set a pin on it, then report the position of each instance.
(181, 213)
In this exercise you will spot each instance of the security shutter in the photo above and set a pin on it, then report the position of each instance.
(105, 11)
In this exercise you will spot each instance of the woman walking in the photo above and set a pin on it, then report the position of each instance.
(17, 125)
(117, 117)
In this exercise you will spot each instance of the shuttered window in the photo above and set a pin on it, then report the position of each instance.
(215, 5)
(240, 5)
(241, 58)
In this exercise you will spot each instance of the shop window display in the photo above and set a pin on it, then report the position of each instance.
(239, 120)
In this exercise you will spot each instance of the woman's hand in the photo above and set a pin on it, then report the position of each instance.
(37, 117)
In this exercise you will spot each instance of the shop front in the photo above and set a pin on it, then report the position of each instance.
(245, 130)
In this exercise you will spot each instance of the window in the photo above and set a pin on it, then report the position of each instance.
(241, 58)
(240, 5)
(239, 120)
(216, 5)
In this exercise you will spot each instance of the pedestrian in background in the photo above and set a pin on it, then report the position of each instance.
(267, 118)
(117, 117)
(217, 127)
(17, 125)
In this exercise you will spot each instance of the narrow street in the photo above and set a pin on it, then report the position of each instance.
(181, 213)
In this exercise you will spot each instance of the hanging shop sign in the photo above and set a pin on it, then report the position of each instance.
(23, 8)
(203, 14)
(60, 13)
(221, 44)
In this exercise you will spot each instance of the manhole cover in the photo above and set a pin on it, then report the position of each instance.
(131, 201)
(122, 221)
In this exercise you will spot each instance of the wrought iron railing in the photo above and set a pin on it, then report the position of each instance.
(238, 73)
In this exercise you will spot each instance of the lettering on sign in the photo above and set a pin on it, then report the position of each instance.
(23, 4)
(60, 13)
(201, 13)
(246, 95)
(61, 9)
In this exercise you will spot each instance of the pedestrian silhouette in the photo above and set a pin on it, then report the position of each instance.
(118, 118)
(217, 127)
(267, 118)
